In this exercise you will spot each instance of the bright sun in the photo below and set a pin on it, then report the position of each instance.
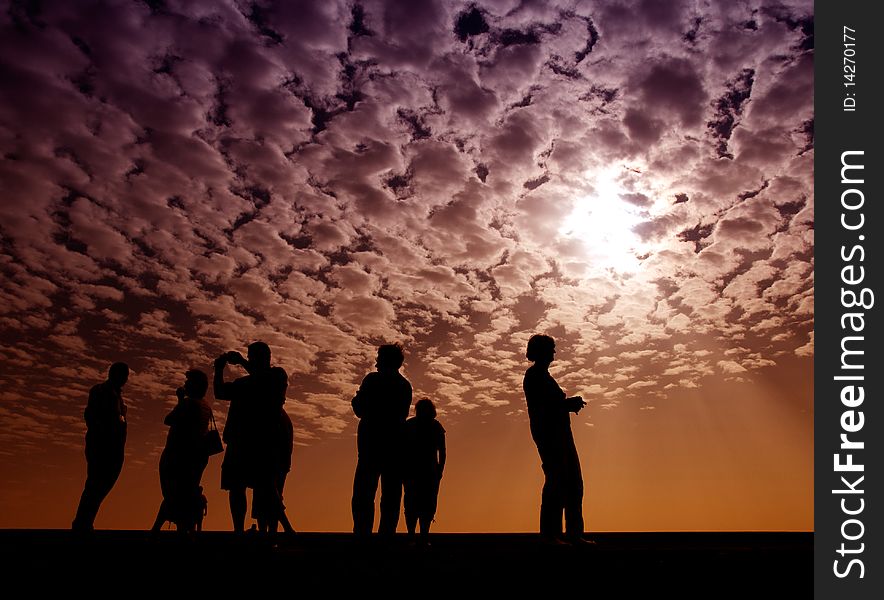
(604, 223)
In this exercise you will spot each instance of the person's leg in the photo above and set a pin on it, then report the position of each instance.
(195, 503)
(161, 518)
(203, 510)
(365, 487)
(260, 508)
(274, 509)
(410, 505)
(233, 479)
(189, 516)
(238, 505)
(175, 480)
(428, 490)
(430, 502)
(283, 519)
(391, 499)
(90, 499)
(425, 521)
(551, 503)
(426, 516)
(103, 467)
(280, 486)
(573, 496)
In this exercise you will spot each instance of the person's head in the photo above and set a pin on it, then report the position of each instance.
(425, 409)
(258, 356)
(390, 357)
(196, 383)
(118, 374)
(541, 349)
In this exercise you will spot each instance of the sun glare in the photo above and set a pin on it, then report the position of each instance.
(603, 221)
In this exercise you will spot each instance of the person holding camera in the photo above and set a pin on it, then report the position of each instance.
(252, 455)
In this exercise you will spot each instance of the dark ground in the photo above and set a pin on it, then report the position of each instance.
(619, 565)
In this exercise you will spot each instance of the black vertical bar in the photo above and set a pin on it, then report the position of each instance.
(848, 548)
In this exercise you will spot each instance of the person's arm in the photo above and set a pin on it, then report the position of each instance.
(405, 407)
(535, 394)
(572, 404)
(221, 389)
(174, 414)
(100, 414)
(359, 400)
(91, 408)
(281, 385)
(191, 419)
(441, 450)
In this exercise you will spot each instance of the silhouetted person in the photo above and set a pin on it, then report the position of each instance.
(185, 458)
(105, 443)
(250, 458)
(548, 409)
(382, 405)
(284, 463)
(204, 506)
(204, 510)
(424, 463)
(279, 436)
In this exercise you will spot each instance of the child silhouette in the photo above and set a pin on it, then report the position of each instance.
(424, 463)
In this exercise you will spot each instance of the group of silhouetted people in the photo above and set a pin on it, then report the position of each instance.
(393, 450)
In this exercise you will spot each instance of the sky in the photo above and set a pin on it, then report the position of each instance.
(634, 178)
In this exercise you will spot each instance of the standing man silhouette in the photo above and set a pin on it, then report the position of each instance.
(548, 409)
(382, 405)
(105, 443)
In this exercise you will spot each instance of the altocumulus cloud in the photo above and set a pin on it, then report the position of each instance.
(180, 178)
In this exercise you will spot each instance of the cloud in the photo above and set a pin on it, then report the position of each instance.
(633, 178)
(730, 366)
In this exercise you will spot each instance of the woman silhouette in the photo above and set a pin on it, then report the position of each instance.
(548, 409)
(185, 458)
